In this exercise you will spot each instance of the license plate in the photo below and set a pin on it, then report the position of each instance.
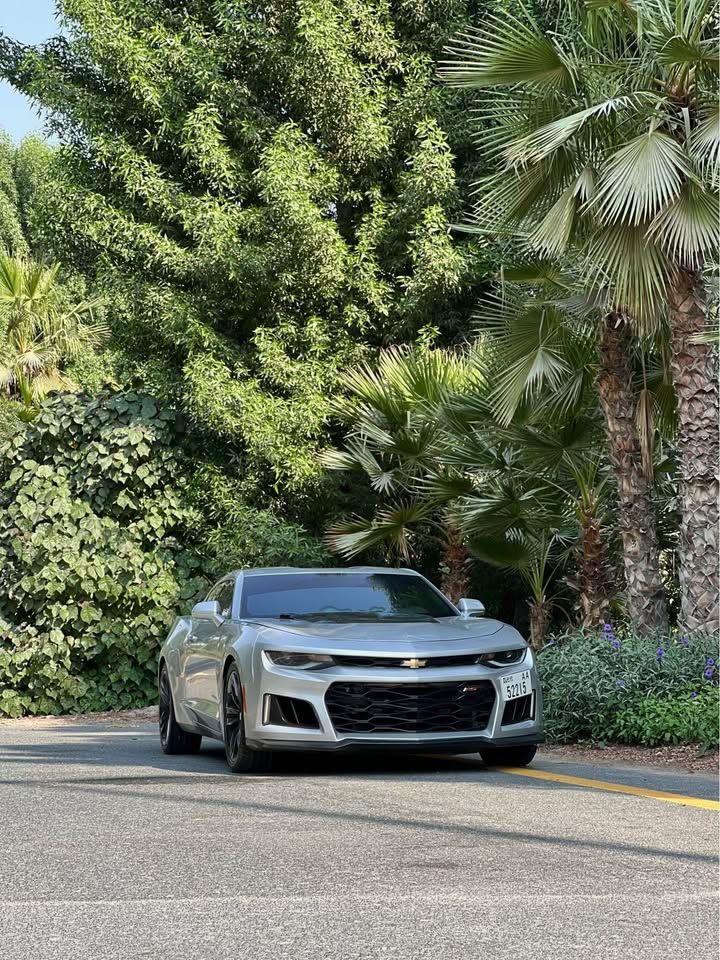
(516, 685)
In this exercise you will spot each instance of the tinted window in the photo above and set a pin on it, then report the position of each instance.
(342, 596)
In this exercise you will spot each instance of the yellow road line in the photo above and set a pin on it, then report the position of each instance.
(613, 787)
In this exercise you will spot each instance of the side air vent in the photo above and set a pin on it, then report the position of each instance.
(289, 712)
(516, 711)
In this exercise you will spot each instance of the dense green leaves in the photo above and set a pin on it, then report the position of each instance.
(92, 570)
(261, 194)
(606, 140)
(269, 180)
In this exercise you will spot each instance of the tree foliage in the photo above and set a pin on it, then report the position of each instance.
(92, 567)
(257, 187)
(421, 429)
(24, 169)
(607, 145)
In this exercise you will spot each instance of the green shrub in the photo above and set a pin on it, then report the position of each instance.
(653, 720)
(91, 569)
(620, 686)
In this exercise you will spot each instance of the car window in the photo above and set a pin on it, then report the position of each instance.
(343, 596)
(223, 592)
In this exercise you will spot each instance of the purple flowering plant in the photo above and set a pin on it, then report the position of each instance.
(591, 678)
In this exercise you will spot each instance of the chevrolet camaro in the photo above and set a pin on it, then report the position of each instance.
(348, 659)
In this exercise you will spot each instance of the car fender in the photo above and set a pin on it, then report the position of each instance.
(240, 650)
(170, 654)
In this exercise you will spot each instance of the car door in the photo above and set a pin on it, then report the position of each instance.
(204, 649)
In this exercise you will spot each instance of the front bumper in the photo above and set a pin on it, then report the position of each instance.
(447, 745)
(312, 686)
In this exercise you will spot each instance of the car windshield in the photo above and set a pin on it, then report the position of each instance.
(343, 597)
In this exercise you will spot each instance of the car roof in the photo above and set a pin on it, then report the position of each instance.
(270, 571)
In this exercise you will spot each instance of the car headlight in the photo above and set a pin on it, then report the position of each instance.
(302, 661)
(503, 658)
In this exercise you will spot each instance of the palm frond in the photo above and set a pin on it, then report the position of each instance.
(640, 179)
(500, 551)
(687, 229)
(541, 143)
(445, 486)
(338, 460)
(705, 142)
(635, 270)
(506, 51)
(390, 527)
(551, 235)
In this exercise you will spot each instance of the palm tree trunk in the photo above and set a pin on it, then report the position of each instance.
(455, 580)
(594, 577)
(645, 594)
(539, 622)
(695, 377)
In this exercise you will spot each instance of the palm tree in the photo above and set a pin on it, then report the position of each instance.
(40, 328)
(395, 438)
(546, 332)
(423, 432)
(605, 135)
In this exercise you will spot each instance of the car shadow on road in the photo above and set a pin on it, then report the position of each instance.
(88, 746)
(248, 803)
(133, 747)
(124, 758)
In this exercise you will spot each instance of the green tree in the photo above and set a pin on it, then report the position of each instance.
(609, 141)
(24, 170)
(261, 190)
(546, 326)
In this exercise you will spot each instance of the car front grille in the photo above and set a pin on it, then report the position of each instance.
(464, 660)
(516, 711)
(410, 707)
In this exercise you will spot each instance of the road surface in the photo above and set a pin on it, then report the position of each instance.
(111, 851)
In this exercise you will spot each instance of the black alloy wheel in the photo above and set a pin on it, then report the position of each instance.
(240, 757)
(173, 739)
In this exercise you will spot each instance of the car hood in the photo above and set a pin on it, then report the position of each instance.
(430, 638)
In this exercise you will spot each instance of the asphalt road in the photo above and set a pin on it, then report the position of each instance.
(108, 849)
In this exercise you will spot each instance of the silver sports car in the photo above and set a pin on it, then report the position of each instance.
(356, 658)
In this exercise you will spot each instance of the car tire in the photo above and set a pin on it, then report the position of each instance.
(173, 739)
(240, 757)
(508, 756)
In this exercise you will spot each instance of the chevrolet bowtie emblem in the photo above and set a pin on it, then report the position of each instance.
(413, 663)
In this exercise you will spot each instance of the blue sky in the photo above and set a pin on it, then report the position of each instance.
(29, 21)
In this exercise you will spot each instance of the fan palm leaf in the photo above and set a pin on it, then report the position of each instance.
(40, 328)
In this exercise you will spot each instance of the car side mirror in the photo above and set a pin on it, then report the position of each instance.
(208, 611)
(471, 608)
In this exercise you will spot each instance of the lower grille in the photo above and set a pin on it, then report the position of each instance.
(410, 707)
(517, 710)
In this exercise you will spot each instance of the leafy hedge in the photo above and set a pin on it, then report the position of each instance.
(91, 568)
(620, 687)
